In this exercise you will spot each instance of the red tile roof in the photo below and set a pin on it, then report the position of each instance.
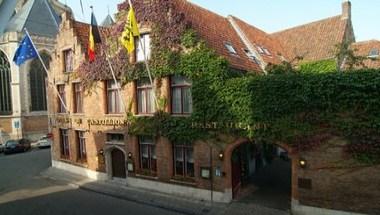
(216, 31)
(259, 38)
(364, 48)
(314, 41)
(82, 32)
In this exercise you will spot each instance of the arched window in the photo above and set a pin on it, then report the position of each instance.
(5, 86)
(37, 83)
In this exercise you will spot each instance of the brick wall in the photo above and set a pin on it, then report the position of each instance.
(339, 182)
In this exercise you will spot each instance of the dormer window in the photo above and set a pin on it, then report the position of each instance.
(266, 51)
(251, 56)
(261, 50)
(230, 48)
(374, 53)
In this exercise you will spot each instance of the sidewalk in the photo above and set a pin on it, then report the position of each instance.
(155, 199)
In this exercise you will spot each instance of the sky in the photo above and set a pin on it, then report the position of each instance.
(268, 15)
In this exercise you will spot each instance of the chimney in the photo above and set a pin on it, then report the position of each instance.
(346, 9)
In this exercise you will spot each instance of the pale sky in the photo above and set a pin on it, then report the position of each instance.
(268, 15)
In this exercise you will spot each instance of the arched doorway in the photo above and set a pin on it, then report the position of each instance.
(5, 85)
(261, 174)
(118, 163)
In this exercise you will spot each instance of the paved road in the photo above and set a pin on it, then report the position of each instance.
(24, 192)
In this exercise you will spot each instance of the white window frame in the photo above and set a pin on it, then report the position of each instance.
(146, 43)
(230, 48)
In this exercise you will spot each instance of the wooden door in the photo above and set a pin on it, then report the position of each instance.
(118, 164)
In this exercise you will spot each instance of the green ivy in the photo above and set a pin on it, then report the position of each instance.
(294, 106)
(322, 66)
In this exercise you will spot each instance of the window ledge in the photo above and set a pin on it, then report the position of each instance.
(7, 116)
(183, 182)
(114, 115)
(180, 115)
(78, 114)
(146, 177)
(37, 113)
(65, 160)
(144, 115)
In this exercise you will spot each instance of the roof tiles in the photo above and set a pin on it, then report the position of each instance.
(364, 48)
(313, 41)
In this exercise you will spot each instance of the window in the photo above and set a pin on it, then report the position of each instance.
(113, 98)
(37, 83)
(374, 53)
(145, 97)
(68, 60)
(251, 56)
(230, 48)
(142, 47)
(183, 160)
(78, 98)
(115, 138)
(5, 86)
(181, 98)
(65, 145)
(148, 159)
(260, 49)
(81, 147)
(266, 51)
(61, 103)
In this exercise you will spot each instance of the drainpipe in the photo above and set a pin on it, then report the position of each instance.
(247, 43)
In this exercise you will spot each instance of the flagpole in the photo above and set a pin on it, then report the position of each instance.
(46, 71)
(117, 84)
(146, 64)
(114, 76)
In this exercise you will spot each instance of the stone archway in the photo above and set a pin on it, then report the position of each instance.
(244, 173)
(115, 162)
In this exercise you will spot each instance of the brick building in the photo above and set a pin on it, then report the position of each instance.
(91, 137)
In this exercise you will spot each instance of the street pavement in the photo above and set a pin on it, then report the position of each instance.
(28, 186)
(24, 192)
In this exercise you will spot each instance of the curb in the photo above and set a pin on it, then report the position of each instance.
(150, 202)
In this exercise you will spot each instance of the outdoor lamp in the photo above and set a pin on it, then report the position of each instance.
(221, 155)
(101, 152)
(130, 155)
(302, 163)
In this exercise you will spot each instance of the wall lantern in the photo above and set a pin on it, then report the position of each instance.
(221, 155)
(101, 152)
(130, 155)
(302, 162)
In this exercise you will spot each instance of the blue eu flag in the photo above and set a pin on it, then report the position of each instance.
(25, 51)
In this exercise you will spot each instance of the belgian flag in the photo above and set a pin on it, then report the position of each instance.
(94, 38)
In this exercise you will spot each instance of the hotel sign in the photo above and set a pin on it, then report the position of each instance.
(78, 121)
(229, 125)
(108, 122)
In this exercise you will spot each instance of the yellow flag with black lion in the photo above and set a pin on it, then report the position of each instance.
(131, 31)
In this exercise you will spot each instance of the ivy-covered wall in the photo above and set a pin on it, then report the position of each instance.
(297, 109)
